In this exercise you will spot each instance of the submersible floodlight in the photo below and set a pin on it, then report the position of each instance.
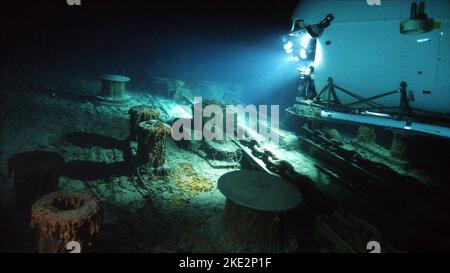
(300, 42)
(317, 29)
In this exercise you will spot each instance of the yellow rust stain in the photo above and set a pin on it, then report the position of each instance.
(187, 179)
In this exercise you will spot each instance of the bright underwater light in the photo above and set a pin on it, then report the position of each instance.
(305, 70)
(302, 41)
(289, 47)
(298, 44)
(303, 54)
(305, 40)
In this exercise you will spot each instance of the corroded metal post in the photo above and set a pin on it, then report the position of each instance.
(65, 216)
(113, 88)
(140, 114)
(151, 138)
(256, 209)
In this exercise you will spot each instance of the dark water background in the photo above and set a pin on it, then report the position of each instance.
(217, 40)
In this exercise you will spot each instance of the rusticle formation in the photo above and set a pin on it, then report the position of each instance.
(249, 226)
(65, 216)
(139, 114)
(151, 142)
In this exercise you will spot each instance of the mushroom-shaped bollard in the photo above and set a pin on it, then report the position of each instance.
(35, 173)
(139, 114)
(113, 88)
(65, 216)
(255, 215)
(151, 143)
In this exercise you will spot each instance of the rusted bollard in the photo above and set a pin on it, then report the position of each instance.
(256, 209)
(113, 88)
(152, 136)
(65, 216)
(139, 114)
